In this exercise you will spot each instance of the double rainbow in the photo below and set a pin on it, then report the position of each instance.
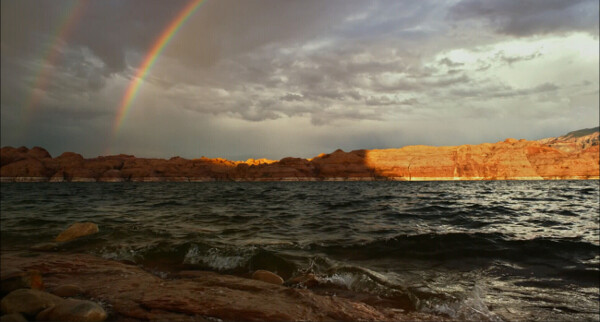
(69, 18)
(155, 51)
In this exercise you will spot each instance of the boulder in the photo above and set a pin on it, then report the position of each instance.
(14, 279)
(28, 301)
(72, 310)
(77, 230)
(13, 317)
(267, 277)
(67, 290)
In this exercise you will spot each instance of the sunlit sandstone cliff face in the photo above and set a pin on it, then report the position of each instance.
(568, 157)
(506, 160)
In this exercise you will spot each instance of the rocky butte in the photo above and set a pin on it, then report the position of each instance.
(571, 156)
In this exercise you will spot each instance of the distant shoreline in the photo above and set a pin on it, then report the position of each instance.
(334, 179)
(569, 157)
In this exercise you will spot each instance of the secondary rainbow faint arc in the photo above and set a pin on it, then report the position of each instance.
(155, 51)
(69, 19)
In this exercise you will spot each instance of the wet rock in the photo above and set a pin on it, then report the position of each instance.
(77, 230)
(308, 280)
(14, 279)
(73, 310)
(135, 294)
(67, 290)
(267, 276)
(45, 247)
(28, 301)
(13, 317)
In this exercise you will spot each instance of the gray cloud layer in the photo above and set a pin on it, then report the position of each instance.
(276, 78)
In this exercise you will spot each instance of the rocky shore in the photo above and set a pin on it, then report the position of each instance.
(82, 287)
(47, 286)
(573, 156)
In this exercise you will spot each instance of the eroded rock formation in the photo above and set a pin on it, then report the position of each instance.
(572, 156)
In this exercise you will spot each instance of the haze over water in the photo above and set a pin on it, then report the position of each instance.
(494, 250)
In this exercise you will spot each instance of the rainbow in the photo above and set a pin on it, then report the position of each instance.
(69, 18)
(155, 51)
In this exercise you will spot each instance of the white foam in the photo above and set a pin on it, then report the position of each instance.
(218, 259)
(358, 282)
(120, 253)
(472, 308)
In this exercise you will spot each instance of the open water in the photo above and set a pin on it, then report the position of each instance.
(493, 250)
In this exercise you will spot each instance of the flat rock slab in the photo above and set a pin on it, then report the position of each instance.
(77, 230)
(133, 293)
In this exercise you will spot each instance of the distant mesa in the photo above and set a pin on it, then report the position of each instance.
(574, 155)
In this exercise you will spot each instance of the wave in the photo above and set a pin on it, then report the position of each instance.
(469, 308)
(456, 246)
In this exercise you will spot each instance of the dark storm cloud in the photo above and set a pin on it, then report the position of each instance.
(504, 91)
(290, 97)
(107, 28)
(528, 17)
(449, 63)
(386, 101)
(276, 70)
(513, 59)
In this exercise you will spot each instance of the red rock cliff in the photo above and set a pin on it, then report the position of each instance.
(573, 156)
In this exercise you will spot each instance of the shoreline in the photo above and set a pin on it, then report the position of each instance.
(572, 159)
(292, 179)
(130, 292)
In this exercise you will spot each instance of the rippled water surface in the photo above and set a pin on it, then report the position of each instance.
(499, 250)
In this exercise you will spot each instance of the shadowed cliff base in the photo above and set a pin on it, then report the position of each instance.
(572, 156)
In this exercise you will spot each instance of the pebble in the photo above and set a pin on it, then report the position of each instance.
(72, 310)
(28, 301)
(267, 276)
(77, 230)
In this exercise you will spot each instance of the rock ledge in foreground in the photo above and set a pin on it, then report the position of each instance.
(133, 293)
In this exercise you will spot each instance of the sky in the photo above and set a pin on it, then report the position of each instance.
(270, 78)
